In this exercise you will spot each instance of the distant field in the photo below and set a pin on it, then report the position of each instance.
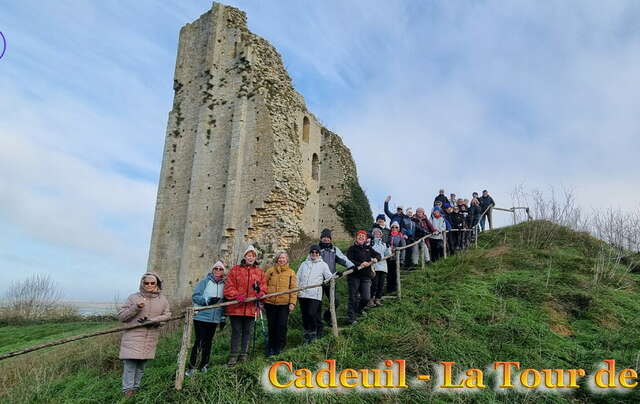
(17, 337)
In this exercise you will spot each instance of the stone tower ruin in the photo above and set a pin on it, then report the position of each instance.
(244, 160)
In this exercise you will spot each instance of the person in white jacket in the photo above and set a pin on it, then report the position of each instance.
(313, 271)
(377, 285)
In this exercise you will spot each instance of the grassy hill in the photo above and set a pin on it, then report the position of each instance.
(535, 293)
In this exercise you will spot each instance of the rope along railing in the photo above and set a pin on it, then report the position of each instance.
(189, 312)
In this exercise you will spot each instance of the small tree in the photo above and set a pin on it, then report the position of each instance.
(354, 209)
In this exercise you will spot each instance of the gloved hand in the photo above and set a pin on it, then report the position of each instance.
(212, 301)
(339, 274)
(143, 320)
(241, 298)
(260, 294)
(222, 325)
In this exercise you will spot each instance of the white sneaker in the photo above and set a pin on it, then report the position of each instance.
(190, 372)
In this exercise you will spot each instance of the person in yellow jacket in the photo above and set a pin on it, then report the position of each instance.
(280, 277)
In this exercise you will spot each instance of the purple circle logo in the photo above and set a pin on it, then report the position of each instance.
(4, 44)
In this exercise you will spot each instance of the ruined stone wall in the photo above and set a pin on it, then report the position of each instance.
(244, 160)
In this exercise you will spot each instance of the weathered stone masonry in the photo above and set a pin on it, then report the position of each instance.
(244, 160)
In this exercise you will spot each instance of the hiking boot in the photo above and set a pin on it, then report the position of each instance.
(233, 359)
(204, 369)
(243, 358)
(129, 393)
(190, 372)
(378, 302)
(306, 338)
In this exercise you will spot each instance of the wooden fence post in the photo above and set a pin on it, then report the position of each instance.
(332, 307)
(421, 249)
(514, 215)
(186, 341)
(475, 235)
(444, 243)
(398, 273)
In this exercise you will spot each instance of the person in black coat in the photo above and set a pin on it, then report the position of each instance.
(486, 204)
(441, 197)
(457, 223)
(362, 255)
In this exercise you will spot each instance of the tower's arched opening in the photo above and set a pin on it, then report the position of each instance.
(315, 166)
(305, 129)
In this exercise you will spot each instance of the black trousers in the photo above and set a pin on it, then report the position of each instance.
(204, 335)
(310, 310)
(277, 319)
(241, 327)
(437, 249)
(359, 295)
(327, 313)
(377, 284)
(392, 282)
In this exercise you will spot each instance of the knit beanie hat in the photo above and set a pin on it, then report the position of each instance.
(219, 264)
(325, 233)
(380, 216)
(249, 249)
(376, 231)
(359, 232)
(314, 247)
(395, 224)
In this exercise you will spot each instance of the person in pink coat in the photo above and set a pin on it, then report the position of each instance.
(139, 345)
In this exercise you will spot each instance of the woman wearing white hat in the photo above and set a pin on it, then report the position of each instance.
(207, 292)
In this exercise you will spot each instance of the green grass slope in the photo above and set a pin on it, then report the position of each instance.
(533, 293)
(15, 337)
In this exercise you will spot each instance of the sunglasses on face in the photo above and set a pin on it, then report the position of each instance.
(315, 252)
(218, 269)
(149, 283)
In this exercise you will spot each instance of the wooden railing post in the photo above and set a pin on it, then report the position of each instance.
(186, 341)
(332, 306)
(421, 249)
(475, 235)
(444, 242)
(398, 274)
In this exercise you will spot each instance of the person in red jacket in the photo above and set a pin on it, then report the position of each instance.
(244, 281)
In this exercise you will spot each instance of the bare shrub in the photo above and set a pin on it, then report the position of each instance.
(552, 208)
(35, 298)
(609, 268)
(616, 227)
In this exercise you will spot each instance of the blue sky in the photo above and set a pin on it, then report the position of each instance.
(464, 95)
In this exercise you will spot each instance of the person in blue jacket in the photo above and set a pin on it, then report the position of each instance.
(207, 292)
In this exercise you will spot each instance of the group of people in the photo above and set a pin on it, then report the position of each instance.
(369, 277)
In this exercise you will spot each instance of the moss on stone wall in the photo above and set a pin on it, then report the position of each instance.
(354, 209)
